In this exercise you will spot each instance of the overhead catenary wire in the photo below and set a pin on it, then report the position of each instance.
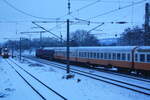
(23, 12)
(100, 14)
(105, 1)
(105, 13)
(95, 27)
(88, 5)
(117, 9)
(79, 9)
(108, 12)
(47, 30)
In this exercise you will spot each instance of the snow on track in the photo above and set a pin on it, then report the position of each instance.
(112, 80)
(103, 74)
(86, 89)
(12, 86)
(40, 89)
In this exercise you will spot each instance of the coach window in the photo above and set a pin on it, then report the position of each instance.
(94, 55)
(148, 57)
(98, 55)
(114, 56)
(142, 57)
(136, 57)
(105, 55)
(101, 55)
(128, 57)
(118, 56)
(79, 54)
(109, 56)
(88, 54)
(91, 55)
(123, 56)
(82, 54)
(85, 54)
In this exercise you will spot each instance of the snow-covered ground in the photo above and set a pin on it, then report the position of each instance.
(12, 87)
(104, 74)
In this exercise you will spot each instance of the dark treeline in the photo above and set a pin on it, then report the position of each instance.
(77, 38)
(26, 43)
(135, 36)
(83, 38)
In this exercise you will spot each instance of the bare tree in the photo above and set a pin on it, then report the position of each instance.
(83, 38)
(133, 36)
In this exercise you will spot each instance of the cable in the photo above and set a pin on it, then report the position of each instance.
(105, 1)
(79, 9)
(114, 10)
(95, 27)
(47, 30)
(25, 13)
(88, 5)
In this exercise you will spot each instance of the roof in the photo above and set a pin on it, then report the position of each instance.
(143, 49)
(96, 48)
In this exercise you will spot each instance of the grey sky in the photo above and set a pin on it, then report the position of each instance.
(56, 8)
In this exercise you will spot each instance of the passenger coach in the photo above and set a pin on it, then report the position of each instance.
(123, 57)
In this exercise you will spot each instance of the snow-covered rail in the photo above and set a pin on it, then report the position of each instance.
(21, 72)
(99, 70)
(131, 76)
(116, 82)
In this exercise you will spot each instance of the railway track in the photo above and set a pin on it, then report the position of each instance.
(124, 75)
(129, 86)
(105, 71)
(42, 85)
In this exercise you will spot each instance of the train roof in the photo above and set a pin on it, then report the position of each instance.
(97, 48)
(143, 49)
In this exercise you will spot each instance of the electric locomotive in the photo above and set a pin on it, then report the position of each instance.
(5, 53)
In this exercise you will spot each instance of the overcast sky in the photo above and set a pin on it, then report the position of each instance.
(134, 15)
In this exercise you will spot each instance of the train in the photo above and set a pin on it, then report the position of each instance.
(124, 58)
(45, 53)
(4, 52)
